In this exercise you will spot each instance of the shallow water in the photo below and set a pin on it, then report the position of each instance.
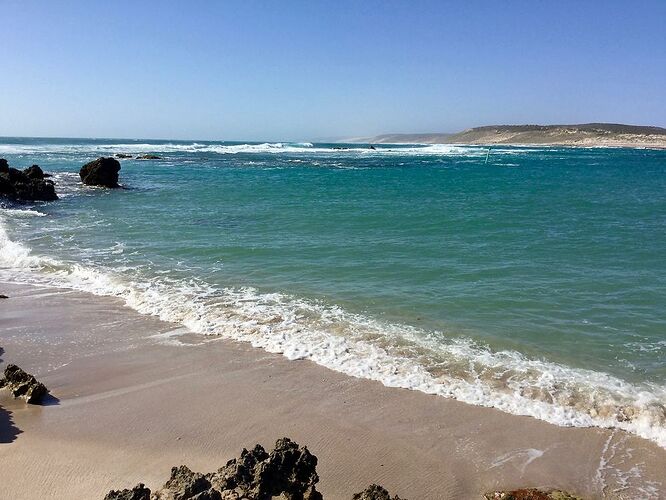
(529, 279)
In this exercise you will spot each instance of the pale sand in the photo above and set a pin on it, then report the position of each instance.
(131, 406)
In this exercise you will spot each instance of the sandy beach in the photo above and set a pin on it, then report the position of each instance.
(135, 396)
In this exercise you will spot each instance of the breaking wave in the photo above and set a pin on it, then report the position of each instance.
(394, 354)
(248, 148)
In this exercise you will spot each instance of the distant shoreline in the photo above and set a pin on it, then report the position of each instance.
(583, 135)
(535, 145)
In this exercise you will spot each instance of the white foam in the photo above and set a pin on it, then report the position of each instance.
(23, 212)
(249, 148)
(360, 346)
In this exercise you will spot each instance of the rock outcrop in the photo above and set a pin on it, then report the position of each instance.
(27, 185)
(185, 484)
(287, 472)
(374, 492)
(148, 157)
(34, 172)
(139, 492)
(101, 172)
(23, 385)
(530, 494)
(123, 155)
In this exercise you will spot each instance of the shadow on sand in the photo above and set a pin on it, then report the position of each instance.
(49, 400)
(8, 431)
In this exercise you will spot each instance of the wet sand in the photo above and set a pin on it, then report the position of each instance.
(136, 395)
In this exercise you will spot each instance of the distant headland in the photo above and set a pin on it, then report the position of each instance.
(583, 135)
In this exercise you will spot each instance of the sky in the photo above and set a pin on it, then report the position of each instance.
(304, 70)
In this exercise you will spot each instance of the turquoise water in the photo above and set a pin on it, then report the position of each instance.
(533, 281)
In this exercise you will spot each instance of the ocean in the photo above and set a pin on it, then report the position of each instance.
(528, 279)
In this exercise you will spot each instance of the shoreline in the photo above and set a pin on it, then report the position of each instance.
(135, 400)
(628, 145)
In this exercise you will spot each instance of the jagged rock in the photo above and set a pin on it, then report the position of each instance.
(23, 384)
(28, 185)
(210, 494)
(531, 494)
(34, 172)
(185, 484)
(239, 472)
(101, 172)
(374, 492)
(288, 470)
(139, 492)
(148, 157)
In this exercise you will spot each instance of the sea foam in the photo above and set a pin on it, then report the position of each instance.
(360, 346)
(249, 148)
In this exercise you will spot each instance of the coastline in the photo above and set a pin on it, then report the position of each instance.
(593, 145)
(594, 135)
(135, 400)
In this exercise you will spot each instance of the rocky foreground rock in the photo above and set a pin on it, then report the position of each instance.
(530, 494)
(139, 492)
(288, 472)
(101, 172)
(375, 492)
(23, 385)
(27, 185)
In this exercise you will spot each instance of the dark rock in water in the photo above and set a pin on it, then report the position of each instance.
(101, 172)
(2, 296)
(34, 172)
(530, 494)
(374, 492)
(6, 188)
(139, 492)
(25, 186)
(123, 155)
(23, 385)
(185, 484)
(148, 157)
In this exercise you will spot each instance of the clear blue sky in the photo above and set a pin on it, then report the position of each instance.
(299, 70)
